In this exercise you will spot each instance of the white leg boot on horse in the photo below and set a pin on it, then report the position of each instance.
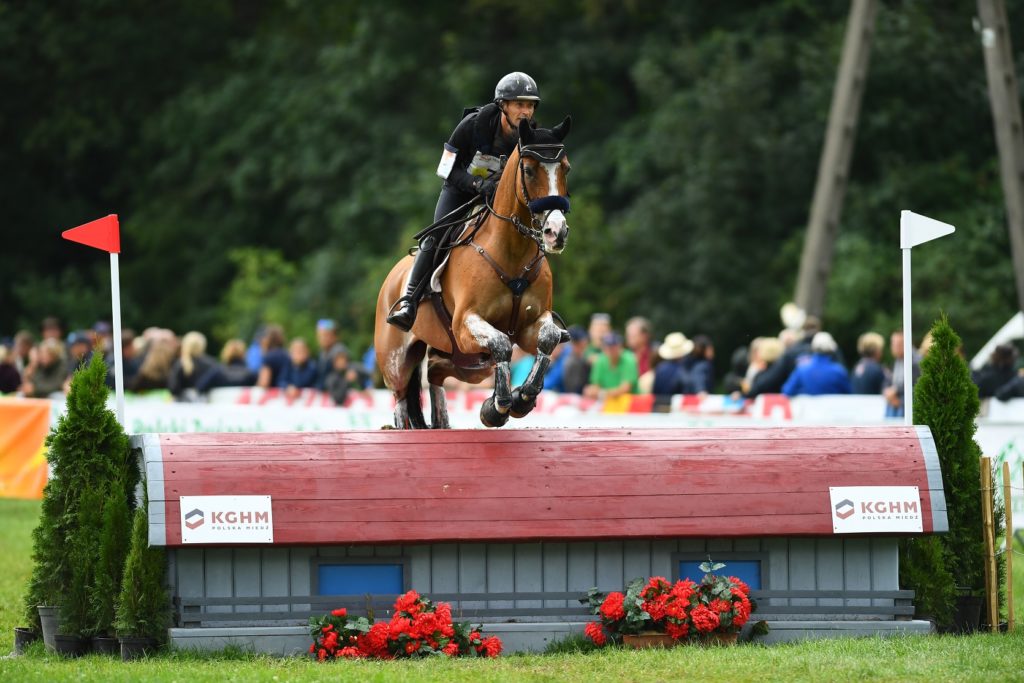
(524, 397)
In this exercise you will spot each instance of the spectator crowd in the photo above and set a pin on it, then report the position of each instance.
(597, 362)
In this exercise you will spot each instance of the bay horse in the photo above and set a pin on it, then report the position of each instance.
(494, 292)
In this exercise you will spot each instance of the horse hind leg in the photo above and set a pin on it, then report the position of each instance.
(409, 408)
(438, 408)
(524, 397)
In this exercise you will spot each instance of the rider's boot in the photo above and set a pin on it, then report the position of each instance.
(404, 313)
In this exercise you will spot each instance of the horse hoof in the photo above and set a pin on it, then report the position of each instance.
(490, 416)
(521, 406)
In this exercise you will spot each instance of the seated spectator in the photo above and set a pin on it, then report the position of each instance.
(344, 376)
(192, 364)
(670, 377)
(820, 374)
(46, 374)
(327, 340)
(570, 369)
(699, 366)
(273, 357)
(869, 375)
(161, 350)
(24, 349)
(600, 326)
(998, 371)
(732, 383)
(300, 371)
(767, 376)
(79, 354)
(613, 372)
(10, 378)
(1012, 389)
(131, 359)
(638, 340)
(231, 371)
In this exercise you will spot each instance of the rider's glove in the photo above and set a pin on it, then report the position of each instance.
(486, 187)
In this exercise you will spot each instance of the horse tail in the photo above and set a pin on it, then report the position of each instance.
(414, 395)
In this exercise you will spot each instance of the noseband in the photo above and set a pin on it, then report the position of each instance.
(542, 206)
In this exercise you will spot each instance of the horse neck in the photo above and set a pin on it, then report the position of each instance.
(500, 235)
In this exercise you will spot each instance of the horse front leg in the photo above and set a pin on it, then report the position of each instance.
(524, 397)
(477, 333)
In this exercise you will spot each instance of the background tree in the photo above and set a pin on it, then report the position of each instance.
(311, 131)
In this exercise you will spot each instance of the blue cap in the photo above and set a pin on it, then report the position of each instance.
(577, 333)
(325, 324)
(78, 337)
(612, 339)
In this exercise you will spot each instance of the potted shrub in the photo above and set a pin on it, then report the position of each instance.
(115, 535)
(72, 638)
(656, 613)
(946, 400)
(143, 608)
(87, 449)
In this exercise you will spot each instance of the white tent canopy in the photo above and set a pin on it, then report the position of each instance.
(1013, 329)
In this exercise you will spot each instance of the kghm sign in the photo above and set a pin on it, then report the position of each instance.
(872, 509)
(227, 519)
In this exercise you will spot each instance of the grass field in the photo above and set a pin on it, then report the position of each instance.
(985, 657)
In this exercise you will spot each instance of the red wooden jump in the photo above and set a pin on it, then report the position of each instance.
(391, 486)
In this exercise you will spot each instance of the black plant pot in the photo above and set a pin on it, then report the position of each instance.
(105, 645)
(49, 619)
(968, 614)
(136, 647)
(23, 637)
(70, 646)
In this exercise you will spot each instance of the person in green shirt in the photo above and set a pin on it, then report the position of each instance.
(614, 370)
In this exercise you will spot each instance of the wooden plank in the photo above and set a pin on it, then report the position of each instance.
(529, 573)
(300, 533)
(468, 436)
(786, 477)
(555, 567)
(299, 575)
(218, 568)
(501, 572)
(829, 574)
(247, 570)
(274, 578)
(419, 566)
(583, 509)
(857, 567)
(802, 570)
(582, 570)
(637, 560)
(609, 566)
(444, 568)
(473, 571)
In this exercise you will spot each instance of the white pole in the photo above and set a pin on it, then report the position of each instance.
(115, 293)
(908, 355)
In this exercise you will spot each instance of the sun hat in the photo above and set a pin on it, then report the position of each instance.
(676, 345)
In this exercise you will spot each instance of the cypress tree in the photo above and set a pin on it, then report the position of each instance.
(86, 451)
(143, 608)
(115, 538)
(946, 400)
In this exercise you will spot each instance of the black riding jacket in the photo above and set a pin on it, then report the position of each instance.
(479, 131)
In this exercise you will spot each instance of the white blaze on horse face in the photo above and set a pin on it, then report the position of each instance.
(555, 226)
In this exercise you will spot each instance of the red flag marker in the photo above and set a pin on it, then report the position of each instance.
(105, 234)
(102, 233)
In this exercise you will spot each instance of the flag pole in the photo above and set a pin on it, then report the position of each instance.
(115, 295)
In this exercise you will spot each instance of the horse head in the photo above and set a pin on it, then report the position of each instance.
(541, 185)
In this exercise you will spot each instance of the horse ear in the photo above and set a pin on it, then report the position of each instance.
(525, 132)
(561, 131)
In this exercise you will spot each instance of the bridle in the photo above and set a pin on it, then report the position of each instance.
(540, 208)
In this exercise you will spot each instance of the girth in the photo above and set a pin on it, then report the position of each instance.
(518, 285)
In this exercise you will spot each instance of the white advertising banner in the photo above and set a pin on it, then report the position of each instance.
(875, 509)
(227, 519)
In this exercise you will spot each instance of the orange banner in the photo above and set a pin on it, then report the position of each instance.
(24, 424)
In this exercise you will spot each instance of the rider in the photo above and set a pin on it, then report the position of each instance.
(470, 167)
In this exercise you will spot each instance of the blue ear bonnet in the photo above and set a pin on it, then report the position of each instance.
(550, 203)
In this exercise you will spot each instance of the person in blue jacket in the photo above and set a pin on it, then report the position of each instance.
(819, 373)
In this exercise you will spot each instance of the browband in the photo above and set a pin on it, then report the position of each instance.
(543, 153)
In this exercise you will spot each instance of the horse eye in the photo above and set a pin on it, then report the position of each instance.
(529, 172)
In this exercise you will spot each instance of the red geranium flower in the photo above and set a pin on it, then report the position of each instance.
(612, 608)
(594, 631)
(704, 620)
(340, 612)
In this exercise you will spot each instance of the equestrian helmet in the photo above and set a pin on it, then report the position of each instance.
(516, 86)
